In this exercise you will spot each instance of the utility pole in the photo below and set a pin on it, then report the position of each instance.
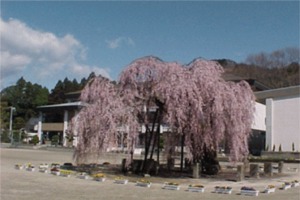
(12, 109)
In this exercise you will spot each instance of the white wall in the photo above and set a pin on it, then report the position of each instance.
(283, 123)
(259, 122)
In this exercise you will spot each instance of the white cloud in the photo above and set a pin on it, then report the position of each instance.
(118, 42)
(13, 63)
(35, 53)
(86, 70)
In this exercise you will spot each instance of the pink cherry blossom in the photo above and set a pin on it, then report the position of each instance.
(192, 100)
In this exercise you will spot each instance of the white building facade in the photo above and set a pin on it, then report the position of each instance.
(67, 112)
(282, 118)
(259, 121)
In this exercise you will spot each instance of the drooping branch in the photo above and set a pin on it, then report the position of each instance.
(195, 102)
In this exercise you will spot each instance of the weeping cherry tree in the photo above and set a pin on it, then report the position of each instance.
(198, 106)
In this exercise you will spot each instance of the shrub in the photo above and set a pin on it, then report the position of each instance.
(274, 147)
(293, 147)
(5, 138)
(34, 140)
(55, 140)
(279, 149)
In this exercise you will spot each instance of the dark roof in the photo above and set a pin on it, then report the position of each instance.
(255, 85)
(232, 77)
(280, 92)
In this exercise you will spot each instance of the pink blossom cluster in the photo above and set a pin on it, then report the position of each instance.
(193, 100)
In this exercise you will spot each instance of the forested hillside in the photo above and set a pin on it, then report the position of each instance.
(25, 97)
(277, 69)
(271, 77)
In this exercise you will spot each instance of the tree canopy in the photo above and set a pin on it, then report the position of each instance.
(58, 93)
(193, 100)
(25, 97)
(277, 59)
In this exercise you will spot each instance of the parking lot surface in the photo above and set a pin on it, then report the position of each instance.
(24, 185)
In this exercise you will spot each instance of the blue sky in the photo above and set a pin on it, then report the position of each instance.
(47, 41)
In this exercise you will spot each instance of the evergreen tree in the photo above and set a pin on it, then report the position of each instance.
(25, 97)
(58, 94)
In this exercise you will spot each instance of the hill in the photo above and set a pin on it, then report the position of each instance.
(275, 77)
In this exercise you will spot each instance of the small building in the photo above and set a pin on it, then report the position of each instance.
(54, 120)
(282, 118)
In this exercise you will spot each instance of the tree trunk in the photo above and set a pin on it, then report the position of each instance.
(210, 164)
(146, 147)
(148, 141)
(182, 153)
(153, 147)
(158, 137)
